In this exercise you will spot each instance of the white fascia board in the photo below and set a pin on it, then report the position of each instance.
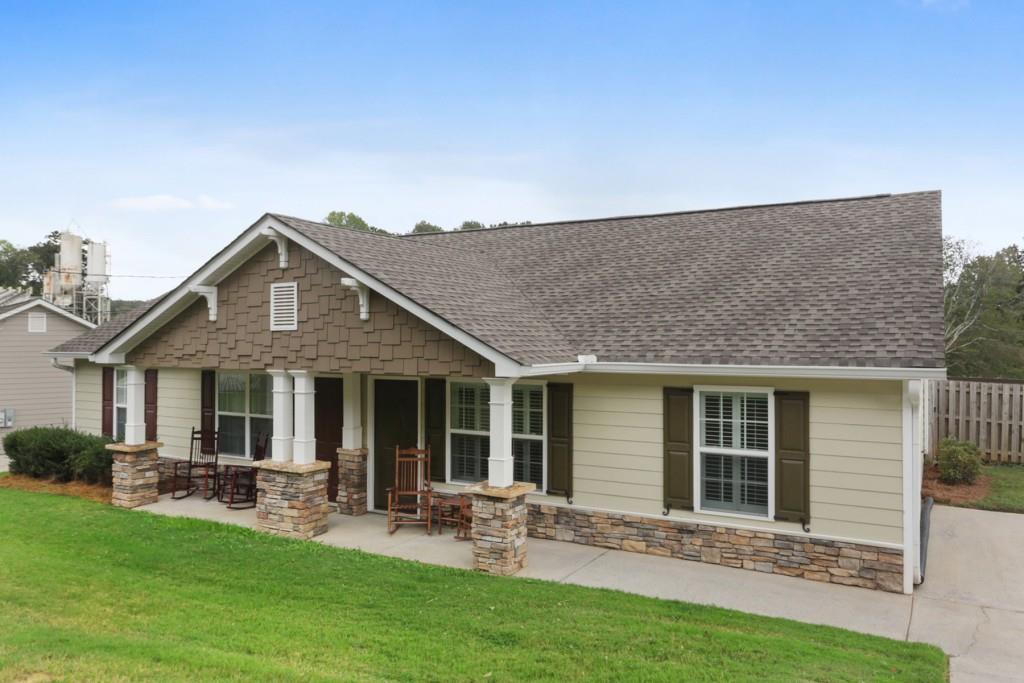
(801, 371)
(503, 365)
(240, 250)
(50, 307)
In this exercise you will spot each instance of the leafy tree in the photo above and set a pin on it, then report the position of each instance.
(25, 267)
(472, 225)
(507, 224)
(424, 226)
(351, 221)
(13, 265)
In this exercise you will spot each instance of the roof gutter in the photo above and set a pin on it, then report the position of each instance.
(592, 365)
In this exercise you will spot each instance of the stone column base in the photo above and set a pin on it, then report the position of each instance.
(291, 499)
(136, 474)
(352, 481)
(499, 527)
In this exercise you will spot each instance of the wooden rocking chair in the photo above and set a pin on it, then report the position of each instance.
(202, 461)
(238, 483)
(409, 500)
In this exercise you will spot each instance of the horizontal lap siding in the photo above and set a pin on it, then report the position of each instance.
(88, 397)
(178, 405)
(855, 436)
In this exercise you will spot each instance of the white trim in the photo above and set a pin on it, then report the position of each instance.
(908, 487)
(208, 292)
(798, 371)
(372, 427)
(699, 450)
(74, 395)
(282, 246)
(49, 306)
(362, 292)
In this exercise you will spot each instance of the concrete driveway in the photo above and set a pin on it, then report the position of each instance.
(972, 601)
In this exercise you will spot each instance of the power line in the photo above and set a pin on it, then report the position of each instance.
(85, 273)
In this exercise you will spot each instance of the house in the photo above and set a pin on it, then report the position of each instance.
(34, 389)
(737, 386)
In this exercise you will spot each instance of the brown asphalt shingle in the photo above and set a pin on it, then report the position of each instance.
(845, 282)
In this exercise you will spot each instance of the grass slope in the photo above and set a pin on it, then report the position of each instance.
(1007, 489)
(89, 592)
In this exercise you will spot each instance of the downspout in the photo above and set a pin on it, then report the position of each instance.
(65, 368)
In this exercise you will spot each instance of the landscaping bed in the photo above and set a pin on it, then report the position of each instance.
(99, 493)
(999, 488)
(91, 592)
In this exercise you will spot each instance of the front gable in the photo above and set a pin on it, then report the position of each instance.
(330, 335)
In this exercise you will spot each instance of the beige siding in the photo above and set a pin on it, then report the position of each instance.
(178, 404)
(39, 393)
(855, 430)
(88, 397)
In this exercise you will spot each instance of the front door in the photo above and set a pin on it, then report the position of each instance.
(327, 414)
(395, 423)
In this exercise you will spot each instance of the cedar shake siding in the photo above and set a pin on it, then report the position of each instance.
(330, 335)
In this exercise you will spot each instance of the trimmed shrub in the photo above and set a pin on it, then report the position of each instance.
(60, 453)
(959, 462)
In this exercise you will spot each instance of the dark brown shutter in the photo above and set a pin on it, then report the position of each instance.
(434, 418)
(107, 422)
(792, 457)
(678, 460)
(208, 407)
(149, 410)
(560, 440)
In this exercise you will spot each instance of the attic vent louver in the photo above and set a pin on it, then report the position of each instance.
(284, 306)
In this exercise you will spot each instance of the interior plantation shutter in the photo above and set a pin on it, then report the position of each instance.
(678, 458)
(208, 402)
(107, 419)
(792, 457)
(149, 409)
(560, 440)
(284, 306)
(434, 418)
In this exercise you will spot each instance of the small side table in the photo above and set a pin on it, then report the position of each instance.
(455, 511)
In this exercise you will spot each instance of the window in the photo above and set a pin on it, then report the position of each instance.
(244, 410)
(284, 306)
(735, 451)
(120, 403)
(470, 432)
(37, 322)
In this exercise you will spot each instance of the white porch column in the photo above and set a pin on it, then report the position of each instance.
(305, 439)
(499, 463)
(352, 413)
(135, 409)
(281, 449)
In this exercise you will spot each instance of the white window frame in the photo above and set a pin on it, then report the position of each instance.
(247, 414)
(120, 373)
(280, 287)
(699, 450)
(532, 437)
(36, 316)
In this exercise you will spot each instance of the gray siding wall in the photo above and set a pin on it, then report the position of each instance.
(39, 393)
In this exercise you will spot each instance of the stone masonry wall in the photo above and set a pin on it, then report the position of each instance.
(292, 503)
(499, 534)
(352, 481)
(135, 476)
(848, 564)
(330, 338)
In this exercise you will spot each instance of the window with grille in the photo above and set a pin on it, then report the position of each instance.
(470, 432)
(244, 411)
(120, 403)
(735, 452)
(284, 306)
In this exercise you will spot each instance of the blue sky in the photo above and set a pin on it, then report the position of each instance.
(167, 128)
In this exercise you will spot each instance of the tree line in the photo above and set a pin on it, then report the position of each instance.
(352, 221)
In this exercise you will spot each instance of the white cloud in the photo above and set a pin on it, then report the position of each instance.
(153, 202)
(208, 202)
(169, 202)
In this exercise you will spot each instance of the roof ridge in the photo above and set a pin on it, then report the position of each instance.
(738, 207)
(336, 227)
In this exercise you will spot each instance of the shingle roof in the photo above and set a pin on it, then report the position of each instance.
(844, 282)
(93, 339)
(848, 282)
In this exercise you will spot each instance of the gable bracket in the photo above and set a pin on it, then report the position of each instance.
(208, 292)
(282, 245)
(364, 295)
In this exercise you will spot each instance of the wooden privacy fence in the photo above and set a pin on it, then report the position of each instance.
(990, 414)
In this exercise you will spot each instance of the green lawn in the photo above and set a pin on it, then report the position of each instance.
(89, 592)
(1007, 493)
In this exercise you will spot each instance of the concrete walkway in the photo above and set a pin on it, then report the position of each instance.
(971, 605)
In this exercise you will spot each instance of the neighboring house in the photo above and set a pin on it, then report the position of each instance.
(736, 386)
(34, 390)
